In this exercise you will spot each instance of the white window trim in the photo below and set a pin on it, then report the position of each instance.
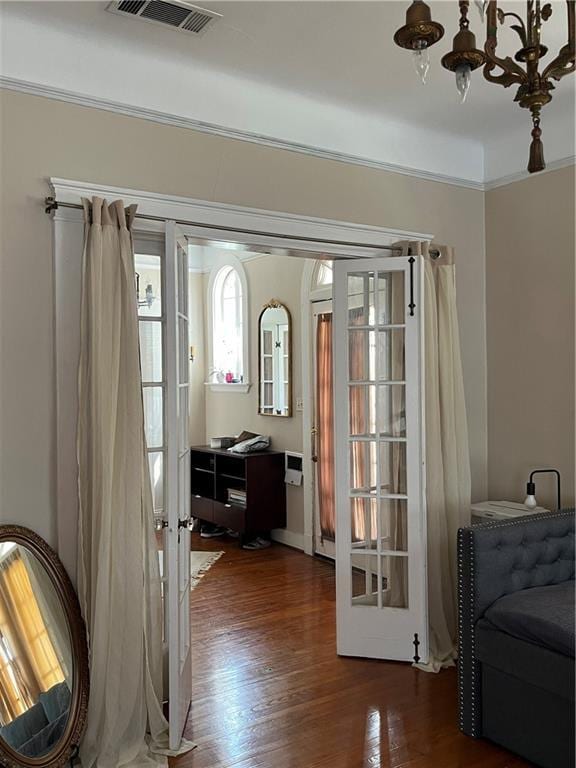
(229, 260)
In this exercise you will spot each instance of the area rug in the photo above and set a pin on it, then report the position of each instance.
(200, 564)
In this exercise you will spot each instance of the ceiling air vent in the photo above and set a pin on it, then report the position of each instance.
(175, 14)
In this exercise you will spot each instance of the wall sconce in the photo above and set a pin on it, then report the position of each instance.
(530, 500)
(149, 297)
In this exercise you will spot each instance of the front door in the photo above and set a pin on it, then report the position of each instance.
(381, 595)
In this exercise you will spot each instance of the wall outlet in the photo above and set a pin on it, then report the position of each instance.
(299, 404)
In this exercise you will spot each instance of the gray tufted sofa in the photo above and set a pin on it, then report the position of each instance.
(516, 635)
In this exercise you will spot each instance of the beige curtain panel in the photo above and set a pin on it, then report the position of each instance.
(448, 486)
(118, 571)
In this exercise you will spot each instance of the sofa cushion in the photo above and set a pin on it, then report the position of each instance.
(46, 739)
(540, 667)
(541, 615)
(25, 726)
(55, 701)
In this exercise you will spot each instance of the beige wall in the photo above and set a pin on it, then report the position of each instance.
(269, 277)
(530, 254)
(42, 138)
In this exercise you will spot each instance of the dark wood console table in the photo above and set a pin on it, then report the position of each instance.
(216, 473)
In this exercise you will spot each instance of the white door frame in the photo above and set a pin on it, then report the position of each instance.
(68, 239)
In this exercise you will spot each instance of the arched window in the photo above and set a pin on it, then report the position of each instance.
(321, 280)
(323, 274)
(229, 332)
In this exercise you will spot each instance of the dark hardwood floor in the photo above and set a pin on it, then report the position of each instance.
(269, 690)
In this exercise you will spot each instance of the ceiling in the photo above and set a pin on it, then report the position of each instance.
(337, 55)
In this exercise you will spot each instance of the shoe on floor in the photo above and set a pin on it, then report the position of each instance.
(233, 534)
(258, 543)
(209, 531)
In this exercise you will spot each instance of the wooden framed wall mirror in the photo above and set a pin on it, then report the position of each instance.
(275, 360)
(43, 655)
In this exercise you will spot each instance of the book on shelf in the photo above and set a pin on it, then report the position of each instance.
(236, 496)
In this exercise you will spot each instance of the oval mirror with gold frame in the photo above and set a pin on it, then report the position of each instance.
(275, 360)
(43, 655)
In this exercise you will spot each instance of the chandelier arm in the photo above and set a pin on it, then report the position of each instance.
(519, 29)
(565, 62)
(561, 66)
(511, 72)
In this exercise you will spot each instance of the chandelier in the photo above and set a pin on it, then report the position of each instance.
(534, 87)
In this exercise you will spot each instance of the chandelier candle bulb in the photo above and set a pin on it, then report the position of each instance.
(463, 79)
(481, 5)
(421, 60)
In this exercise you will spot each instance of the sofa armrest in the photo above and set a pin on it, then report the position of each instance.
(497, 559)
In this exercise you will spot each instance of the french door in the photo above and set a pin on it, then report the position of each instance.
(177, 483)
(381, 594)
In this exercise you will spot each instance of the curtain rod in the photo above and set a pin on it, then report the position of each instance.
(52, 205)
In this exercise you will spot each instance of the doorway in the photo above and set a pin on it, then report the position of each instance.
(263, 232)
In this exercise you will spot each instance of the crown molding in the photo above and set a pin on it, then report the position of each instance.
(555, 165)
(165, 118)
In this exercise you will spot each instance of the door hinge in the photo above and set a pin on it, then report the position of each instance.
(411, 305)
(416, 642)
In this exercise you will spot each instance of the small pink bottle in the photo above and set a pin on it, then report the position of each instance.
(229, 377)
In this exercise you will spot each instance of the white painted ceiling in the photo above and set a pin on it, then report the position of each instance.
(325, 74)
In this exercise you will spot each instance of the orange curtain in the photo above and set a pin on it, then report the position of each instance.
(325, 426)
(27, 647)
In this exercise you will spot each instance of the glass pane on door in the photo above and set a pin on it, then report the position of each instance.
(390, 298)
(363, 466)
(361, 355)
(393, 525)
(390, 360)
(392, 410)
(151, 350)
(364, 524)
(156, 464)
(366, 583)
(149, 284)
(392, 466)
(154, 416)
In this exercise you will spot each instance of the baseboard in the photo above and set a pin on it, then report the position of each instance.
(289, 538)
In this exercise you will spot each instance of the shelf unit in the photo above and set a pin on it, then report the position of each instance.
(260, 475)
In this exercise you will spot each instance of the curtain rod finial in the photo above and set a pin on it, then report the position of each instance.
(51, 204)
